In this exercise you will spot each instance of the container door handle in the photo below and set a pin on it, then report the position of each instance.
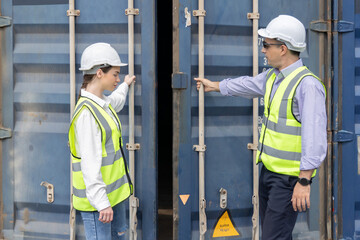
(50, 191)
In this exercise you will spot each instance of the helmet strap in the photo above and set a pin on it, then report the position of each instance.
(94, 69)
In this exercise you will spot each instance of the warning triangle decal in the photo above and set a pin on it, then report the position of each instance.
(184, 198)
(225, 226)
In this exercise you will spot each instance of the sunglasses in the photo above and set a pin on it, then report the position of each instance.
(267, 45)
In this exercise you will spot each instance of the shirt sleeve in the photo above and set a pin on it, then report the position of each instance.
(88, 137)
(312, 110)
(118, 97)
(245, 86)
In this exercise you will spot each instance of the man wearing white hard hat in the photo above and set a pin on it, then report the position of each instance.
(101, 181)
(293, 141)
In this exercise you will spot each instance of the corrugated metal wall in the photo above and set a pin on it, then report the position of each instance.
(346, 117)
(36, 105)
(357, 113)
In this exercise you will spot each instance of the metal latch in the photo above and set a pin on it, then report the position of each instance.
(199, 148)
(74, 12)
(179, 80)
(203, 222)
(199, 13)
(132, 11)
(343, 136)
(5, 21)
(253, 15)
(340, 26)
(133, 147)
(223, 198)
(5, 133)
(252, 146)
(50, 191)
(134, 204)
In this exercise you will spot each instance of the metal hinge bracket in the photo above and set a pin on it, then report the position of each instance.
(199, 13)
(74, 12)
(253, 15)
(179, 80)
(133, 147)
(340, 26)
(5, 133)
(343, 136)
(132, 11)
(343, 26)
(5, 21)
(199, 148)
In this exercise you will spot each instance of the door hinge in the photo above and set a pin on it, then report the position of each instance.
(5, 21)
(343, 136)
(179, 80)
(5, 133)
(339, 26)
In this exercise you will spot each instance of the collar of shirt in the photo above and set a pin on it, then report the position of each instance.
(103, 102)
(289, 69)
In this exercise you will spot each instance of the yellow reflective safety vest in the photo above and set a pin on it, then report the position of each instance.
(280, 139)
(113, 169)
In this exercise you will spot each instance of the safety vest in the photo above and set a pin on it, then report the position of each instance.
(280, 139)
(114, 169)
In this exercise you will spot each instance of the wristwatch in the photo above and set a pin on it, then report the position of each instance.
(304, 181)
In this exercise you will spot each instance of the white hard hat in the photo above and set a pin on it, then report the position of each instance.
(99, 54)
(286, 29)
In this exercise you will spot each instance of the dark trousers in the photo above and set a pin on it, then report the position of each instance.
(276, 212)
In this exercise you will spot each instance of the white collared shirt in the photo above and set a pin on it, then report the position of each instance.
(88, 144)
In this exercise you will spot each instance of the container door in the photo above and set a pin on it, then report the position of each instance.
(36, 107)
(228, 120)
(346, 125)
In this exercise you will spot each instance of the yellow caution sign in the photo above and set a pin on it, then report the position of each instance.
(225, 226)
(184, 198)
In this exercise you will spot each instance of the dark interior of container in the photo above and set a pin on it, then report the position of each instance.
(164, 71)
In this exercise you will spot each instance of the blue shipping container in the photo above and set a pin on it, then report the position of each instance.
(36, 107)
(36, 112)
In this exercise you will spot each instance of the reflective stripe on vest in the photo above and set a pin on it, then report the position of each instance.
(280, 140)
(113, 167)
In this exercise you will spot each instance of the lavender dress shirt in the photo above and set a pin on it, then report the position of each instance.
(308, 108)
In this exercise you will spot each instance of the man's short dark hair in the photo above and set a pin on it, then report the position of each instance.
(295, 53)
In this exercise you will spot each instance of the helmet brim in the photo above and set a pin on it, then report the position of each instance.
(113, 65)
(263, 33)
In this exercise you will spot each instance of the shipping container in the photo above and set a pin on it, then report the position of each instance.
(228, 45)
(36, 105)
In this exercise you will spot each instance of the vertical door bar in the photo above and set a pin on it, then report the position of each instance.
(133, 201)
(72, 220)
(323, 171)
(330, 127)
(176, 117)
(255, 199)
(202, 201)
